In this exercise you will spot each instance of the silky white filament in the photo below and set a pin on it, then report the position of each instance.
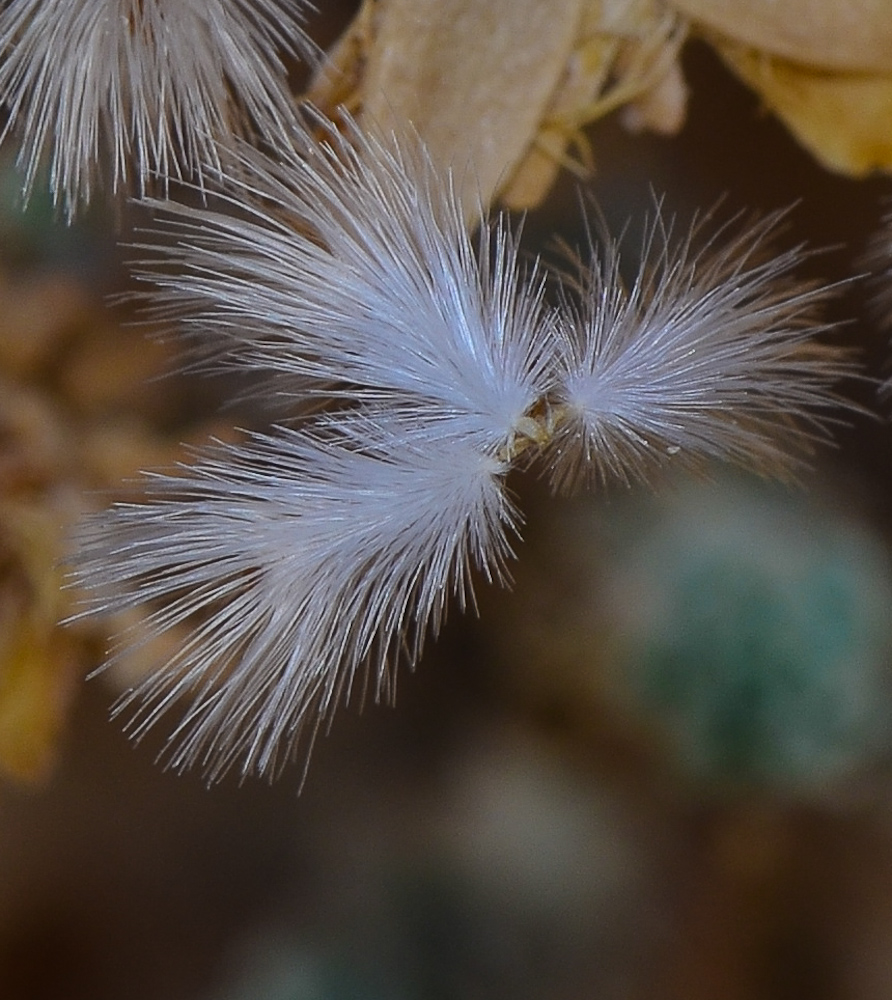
(348, 266)
(305, 557)
(329, 548)
(118, 91)
(709, 354)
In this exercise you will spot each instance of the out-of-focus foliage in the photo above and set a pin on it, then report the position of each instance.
(738, 634)
(81, 411)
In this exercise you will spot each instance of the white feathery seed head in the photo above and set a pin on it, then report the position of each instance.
(118, 92)
(325, 550)
(709, 353)
(347, 266)
(302, 559)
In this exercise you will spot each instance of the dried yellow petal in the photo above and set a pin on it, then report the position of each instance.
(843, 119)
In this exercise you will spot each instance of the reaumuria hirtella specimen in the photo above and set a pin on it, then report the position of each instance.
(329, 548)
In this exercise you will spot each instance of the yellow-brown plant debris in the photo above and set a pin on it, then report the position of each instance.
(824, 67)
(842, 35)
(79, 414)
(500, 90)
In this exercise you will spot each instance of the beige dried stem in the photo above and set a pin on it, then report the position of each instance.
(500, 90)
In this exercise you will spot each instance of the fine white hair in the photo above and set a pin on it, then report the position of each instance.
(114, 93)
(329, 547)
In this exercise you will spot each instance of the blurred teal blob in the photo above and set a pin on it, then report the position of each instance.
(283, 969)
(754, 632)
(36, 237)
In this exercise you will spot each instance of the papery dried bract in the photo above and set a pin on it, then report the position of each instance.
(119, 91)
(499, 89)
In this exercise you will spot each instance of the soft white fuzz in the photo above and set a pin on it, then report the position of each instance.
(307, 556)
(709, 354)
(303, 558)
(346, 265)
(112, 92)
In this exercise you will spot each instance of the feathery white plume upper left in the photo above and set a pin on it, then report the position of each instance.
(113, 92)
(346, 262)
(303, 557)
